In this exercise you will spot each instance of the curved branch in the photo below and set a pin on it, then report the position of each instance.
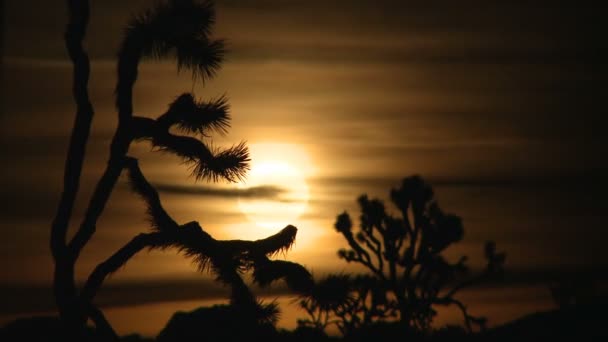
(277, 243)
(117, 260)
(195, 116)
(230, 164)
(296, 276)
(224, 256)
(363, 254)
(99, 199)
(376, 248)
(159, 219)
(468, 319)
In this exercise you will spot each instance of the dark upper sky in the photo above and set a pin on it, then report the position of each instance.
(471, 72)
(501, 105)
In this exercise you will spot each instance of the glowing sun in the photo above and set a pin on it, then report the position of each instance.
(276, 192)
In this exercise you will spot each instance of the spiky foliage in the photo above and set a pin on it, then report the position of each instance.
(157, 216)
(223, 323)
(241, 255)
(230, 164)
(328, 297)
(180, 28)
(195, 242)
(348, 302)
(408, 275)
(194, 116)
(332, 291)
(274, 244)
(269, 313)
(224, 258)
(174, 28)
(227, 259)
(296, 276)
(205, 161)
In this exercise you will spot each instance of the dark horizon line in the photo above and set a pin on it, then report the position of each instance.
(141, 292)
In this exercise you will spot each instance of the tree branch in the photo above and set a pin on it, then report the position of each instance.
(98, 202)
(190, 238)
(357, 248)
(74, 35)
(159, 218)
(468, 319)
(376, 248)
(207, 162)
(117, 260)
(104, 328)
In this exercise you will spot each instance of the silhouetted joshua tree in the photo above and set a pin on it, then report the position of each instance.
(177, 29)
(408, 276)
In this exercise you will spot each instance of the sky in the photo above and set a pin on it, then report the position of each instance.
(499, 105)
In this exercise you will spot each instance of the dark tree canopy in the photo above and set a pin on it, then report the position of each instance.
(407, 274)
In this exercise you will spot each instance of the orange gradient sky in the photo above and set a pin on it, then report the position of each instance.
(498, 105)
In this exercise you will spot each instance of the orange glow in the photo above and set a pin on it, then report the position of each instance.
(284, 168)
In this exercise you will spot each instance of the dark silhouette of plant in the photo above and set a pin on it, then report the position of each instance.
(177, 29)
(227, 259)
(330, 295)
(408, 276)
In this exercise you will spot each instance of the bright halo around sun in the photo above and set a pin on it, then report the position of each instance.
(276, 190)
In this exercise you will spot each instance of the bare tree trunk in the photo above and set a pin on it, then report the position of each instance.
(64, 288)
(76, 306)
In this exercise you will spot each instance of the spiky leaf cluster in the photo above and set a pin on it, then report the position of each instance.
(193, 116)
(180, 28)
(205, 161)
(225, 258)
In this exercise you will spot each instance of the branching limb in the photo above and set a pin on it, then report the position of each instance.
(469, 320)
(494, 267)
(74, 35)
(296, 277)
(194, 116)
(277, 243)
(97, 203)
(351, 256)
(373, 244)
(117, 260)
(224, 257)
(207, 163)
(159, 219)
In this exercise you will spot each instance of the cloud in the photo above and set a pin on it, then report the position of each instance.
(261, 192)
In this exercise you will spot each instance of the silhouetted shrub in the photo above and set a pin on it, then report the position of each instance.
(408, 276)
(220, 323)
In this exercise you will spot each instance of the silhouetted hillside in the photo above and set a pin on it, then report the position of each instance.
(580, 322)
(584, 322)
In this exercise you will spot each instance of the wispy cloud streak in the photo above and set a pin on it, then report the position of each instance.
(259, 192)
